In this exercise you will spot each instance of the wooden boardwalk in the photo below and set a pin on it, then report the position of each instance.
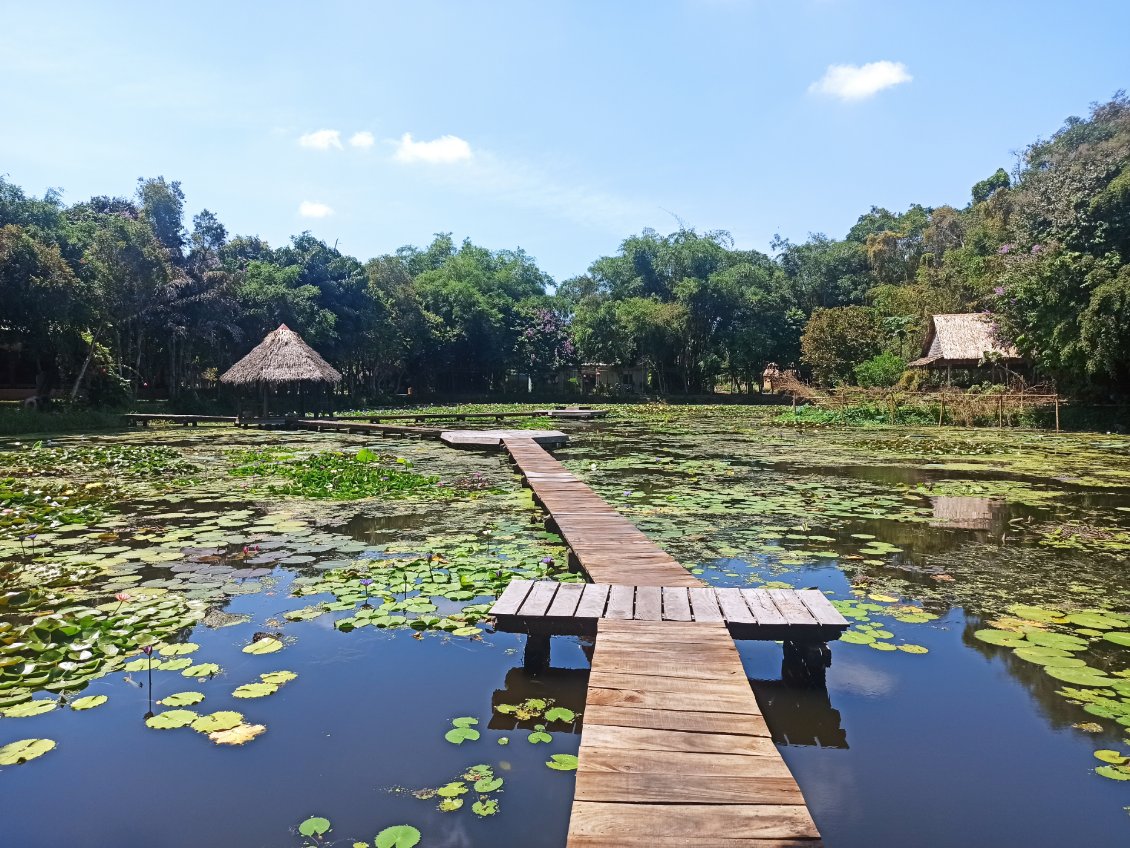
(545, 606)
(143, 419)
(674, 749)
(604, 544)
(567, 412)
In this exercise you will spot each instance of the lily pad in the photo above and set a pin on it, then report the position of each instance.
(201, 670)
(1005, 638)
(24, 750)
(221, 720)
(1118, 637)
(89, 702)
(238, 735)
(263, 646)
(30, 708)
(278, 677)
(255, 690)
(559, 714)
(488, 784)
(398, 836)
(562, 762)
(171, 719)
(485, 807)
(314, 826)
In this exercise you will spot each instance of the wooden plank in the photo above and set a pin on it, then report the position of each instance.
(821, 608)
(651, 841)
(694, 722)
(649, 603)
(593, 600)
(687, 789)
(705, 687)
(539, 599)
(621, 602)
(651, 700)
(510, 601)
(704, 605)
(676, 604)
(761, 605)
(565, 601)
(791, 607)
(646, 739)
(666, 668)
(704, 823)
(678, 762)
(733, 607)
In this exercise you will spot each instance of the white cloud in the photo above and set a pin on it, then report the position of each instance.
(443, 150)
(321, 140)
(858, 82)
(313, 209)
(363, 139)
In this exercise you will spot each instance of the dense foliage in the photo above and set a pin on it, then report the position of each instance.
(114, 298)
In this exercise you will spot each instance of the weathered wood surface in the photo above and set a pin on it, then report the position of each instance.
(548, 607)
(674, 749)
(569, 412)
(347, 425)
(494, 438)
(606, 545)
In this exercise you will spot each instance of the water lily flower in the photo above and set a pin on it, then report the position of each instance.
(547, 560)
(147, 650)
(367, 581)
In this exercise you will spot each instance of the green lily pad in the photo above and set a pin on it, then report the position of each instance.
(30, 708)
(485, 807)
(1005, 638)
(1113, 772)
(914, 649)
(1118, 637)
(255, 690)
(278, 677)
(559, 714)
(182, 699)
(398, 836)
(201, 670)
(459, 735)
(1056, 640)
(488, 784)
(1112, 757)
(562, 762)
(171, 719)
(1033, 613)
(539, 735)
(178, 650)
(314, 826)
(222, 720)
(89, 702)
(1079, 676)
(856, 637)
(449, 805)
(264, 646)
(452, 790)
(1094, 620)
(24, 750)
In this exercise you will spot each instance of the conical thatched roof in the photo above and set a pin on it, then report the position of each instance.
(282, 357)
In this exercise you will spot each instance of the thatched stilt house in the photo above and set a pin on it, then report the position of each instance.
(966, 341)
(282, 359)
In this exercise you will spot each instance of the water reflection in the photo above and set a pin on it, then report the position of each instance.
(799, 715)
(967, 513)
(565, 686)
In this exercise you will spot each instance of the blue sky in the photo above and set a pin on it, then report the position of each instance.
(559, 127)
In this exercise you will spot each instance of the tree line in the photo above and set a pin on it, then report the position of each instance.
(114, 298)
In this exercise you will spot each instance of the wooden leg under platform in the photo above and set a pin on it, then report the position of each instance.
(806, 663)
(535, 659)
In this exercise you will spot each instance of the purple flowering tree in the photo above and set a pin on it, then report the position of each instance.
(545, 344)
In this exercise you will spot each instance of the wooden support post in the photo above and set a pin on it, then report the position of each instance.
(1000, 412)
(535, 659)
(942, 410)
(1057, 412)
(806, 663)
(794, 407)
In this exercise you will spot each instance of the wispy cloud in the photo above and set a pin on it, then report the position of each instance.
(363, 139)
(443, 150)
(858, 82)
(313, 209)
(321, 140)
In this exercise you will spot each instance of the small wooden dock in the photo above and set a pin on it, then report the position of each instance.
(549, 607)
(674, 749)
(576, 413)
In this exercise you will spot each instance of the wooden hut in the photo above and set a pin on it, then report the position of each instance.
(282, 360)
(966, 340)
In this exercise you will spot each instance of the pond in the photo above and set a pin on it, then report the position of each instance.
(322, 661)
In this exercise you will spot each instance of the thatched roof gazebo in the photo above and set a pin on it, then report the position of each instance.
(281, 359)
(965, 340)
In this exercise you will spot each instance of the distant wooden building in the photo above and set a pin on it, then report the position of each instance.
(966, 340)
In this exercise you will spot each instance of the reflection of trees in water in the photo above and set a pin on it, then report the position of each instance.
(566, 686)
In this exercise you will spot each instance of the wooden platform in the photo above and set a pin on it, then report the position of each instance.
(604, 544)
(494, 438)
(347, 425)
(674, 749)
(549, 607)
(568, 412)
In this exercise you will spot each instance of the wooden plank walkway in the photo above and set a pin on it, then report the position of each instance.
(674, 749)
(568, 412)
(795, 615)
(605, 545)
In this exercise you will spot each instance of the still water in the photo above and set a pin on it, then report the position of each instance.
(926, 735)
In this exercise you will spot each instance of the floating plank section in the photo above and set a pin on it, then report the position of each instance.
(574, 413)
(143, 418)
(605, 545)
(803, 615)
(661, 765)
(494, 438)
(347, 425)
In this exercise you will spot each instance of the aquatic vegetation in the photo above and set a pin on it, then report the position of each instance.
(315, 826)
(562, 762)
(334, 474)
(398, 836)
(24, 750)
(116, 460)
(462, 730)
